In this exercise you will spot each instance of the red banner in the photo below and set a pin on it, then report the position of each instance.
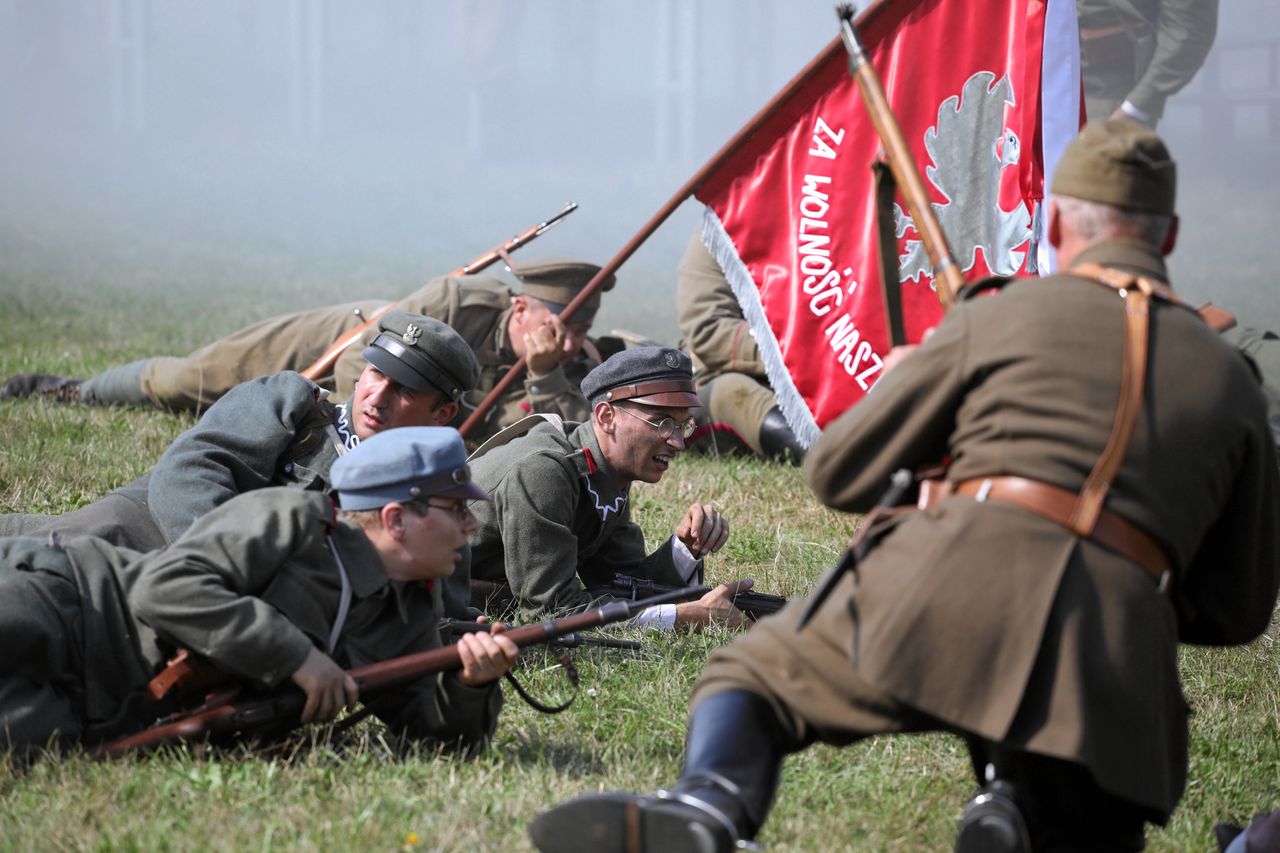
(791, 215)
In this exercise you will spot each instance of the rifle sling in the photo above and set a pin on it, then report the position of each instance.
(887, 244)
(570, 671)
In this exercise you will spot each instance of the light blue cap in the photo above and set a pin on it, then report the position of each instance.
(400, 465)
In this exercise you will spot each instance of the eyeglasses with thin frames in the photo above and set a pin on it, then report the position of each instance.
(459, 509)
(666, 427)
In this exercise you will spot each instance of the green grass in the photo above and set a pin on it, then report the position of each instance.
(626, 728)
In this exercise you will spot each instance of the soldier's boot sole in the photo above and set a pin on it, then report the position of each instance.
(629, 823)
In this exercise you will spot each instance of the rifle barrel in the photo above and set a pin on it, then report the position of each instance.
(946, 271)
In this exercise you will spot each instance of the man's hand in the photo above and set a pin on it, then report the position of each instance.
(703, 530)
(716, 607)
(544, 346)
(328, 688)
(485, 656)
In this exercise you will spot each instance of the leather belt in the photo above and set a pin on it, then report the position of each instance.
(1057, 505)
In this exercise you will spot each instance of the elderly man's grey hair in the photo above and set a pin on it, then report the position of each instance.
(1093, 221)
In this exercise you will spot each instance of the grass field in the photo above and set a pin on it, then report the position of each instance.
(624, 731)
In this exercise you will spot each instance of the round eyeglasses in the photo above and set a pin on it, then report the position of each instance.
(666, 427)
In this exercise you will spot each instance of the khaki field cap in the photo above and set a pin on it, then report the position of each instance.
(557, 281)
(424, 354)
(656, 376)
(1121, 163)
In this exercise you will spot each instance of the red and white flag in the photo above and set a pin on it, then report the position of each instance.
(987, 94)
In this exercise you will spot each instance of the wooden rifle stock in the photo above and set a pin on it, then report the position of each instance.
(947, 275)
(223, 715)
(324, 364)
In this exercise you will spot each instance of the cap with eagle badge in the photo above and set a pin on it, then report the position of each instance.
(657, 376)
(556, 281)
(423, 353)
(404, 464)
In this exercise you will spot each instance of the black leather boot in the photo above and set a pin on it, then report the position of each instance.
(992, 823)
(777, 441)
(718, 805)
(59, 389)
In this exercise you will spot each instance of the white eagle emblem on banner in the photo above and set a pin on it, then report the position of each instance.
(970, 147)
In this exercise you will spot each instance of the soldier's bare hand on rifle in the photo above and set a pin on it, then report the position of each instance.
(328, 688)
(485, 656)
(714, 608)
(544, 346)
(703, 530)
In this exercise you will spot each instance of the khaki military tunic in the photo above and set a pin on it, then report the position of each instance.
(727, 365)
(253, 586)
(1142, 51)
(477, 307)
(985, 618)
(557, 525)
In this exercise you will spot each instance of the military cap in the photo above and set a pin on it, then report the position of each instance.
(399, 465)
(424, 354)
(1118, 162)
(658, 376)
(556, 281)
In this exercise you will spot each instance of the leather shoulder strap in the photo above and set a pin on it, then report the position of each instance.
(1137, 292)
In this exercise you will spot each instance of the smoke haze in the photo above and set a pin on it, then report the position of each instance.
(315, 148)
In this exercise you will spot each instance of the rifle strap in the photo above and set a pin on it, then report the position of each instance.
(344, 602)
(570, 671)
(887, 244)
(1137, 292)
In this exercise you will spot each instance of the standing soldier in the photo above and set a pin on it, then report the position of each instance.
(1113, 494)
(269, 587)
(1135, 54)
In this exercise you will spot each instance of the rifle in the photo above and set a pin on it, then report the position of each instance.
(450, 628)
(946, 272)
(324, 364)
(754, 604)
(223, 716)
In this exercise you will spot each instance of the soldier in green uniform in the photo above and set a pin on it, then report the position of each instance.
(498, 325)
(728, 369)
(1052, 651)
(1135, 54)
(560, 522)
(269, 588)
(279, 430)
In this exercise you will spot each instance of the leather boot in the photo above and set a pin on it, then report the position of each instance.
(717, 806)
(46, 386)
(777, 441)
(992, 823)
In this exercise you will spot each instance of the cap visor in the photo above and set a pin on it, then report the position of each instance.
(397, 369)
(467, 491)
(671, 400)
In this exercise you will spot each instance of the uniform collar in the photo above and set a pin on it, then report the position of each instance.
(364, 565)
(595, 472)
(1133, 256)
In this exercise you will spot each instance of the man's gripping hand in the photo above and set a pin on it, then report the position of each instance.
(544, 346)
(328, 688)
(485, 656)
(714, 608)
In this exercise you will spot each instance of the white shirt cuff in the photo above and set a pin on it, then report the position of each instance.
(1135, 113)
(661, 618)
(686, 563)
